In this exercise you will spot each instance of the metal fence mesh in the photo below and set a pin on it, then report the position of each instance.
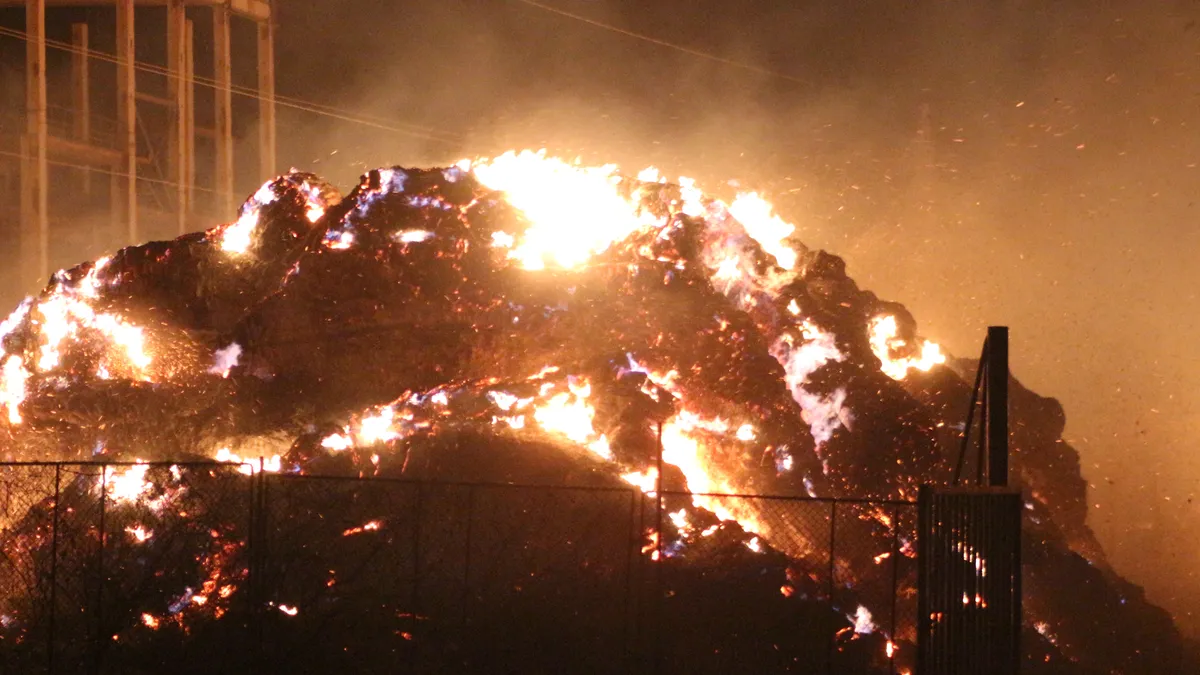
(145, 568)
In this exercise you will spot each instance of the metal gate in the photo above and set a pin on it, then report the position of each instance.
(969, 602)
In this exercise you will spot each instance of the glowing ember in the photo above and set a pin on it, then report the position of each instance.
(368, 527)
(139, 533)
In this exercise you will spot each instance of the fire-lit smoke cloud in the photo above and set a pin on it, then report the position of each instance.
(363, 334)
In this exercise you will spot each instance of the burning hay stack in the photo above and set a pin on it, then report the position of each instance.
(524, 320)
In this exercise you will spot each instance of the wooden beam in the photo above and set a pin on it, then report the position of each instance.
(35, 202)
(266, 101)
(223, 73)
(127, 117)
(165, 102)
(81, 99)
(254, 9)
(70, 151)
(177, 88)
(190, 113)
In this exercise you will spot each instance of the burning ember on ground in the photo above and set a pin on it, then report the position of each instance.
(526, 300)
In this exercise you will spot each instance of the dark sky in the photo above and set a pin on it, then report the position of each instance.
(1011, 162)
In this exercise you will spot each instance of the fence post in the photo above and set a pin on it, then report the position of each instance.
(659, 608)
(626, 661)
(895, 585)
(416, 582)
(54, 569)
(253, 566)
(466, 555)
(832, 584)
(98, 647)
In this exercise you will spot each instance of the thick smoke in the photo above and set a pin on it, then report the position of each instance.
(1020, 163)
(1016, 163)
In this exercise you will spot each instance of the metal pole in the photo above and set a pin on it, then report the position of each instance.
(54, 570)
(630, 549)
(256, 552)
(998, 406)
(467, 554)
(416, 582)
(895, 584)
(966, 441)
(832, 584)
(981, 459)
(660, 612)
(99, 646)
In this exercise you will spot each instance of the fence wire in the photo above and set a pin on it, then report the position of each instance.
(207, 568)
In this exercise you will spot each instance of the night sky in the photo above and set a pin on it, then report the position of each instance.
(1019, 162)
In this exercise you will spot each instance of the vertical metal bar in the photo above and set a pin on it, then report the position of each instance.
(832, 584)
(1016, 615)
(981, 457)
(35, 221)
(640, 627)
(630, 551)
(998, 406)
(467, 553)
(924, 541)
(256, 554)
(966, 440)
(895, 584)
(976, 537)
(266, 93)
(100, 580)
(659, 605)
(223, 72)
(127, 116)
(54, 570)
(416, 582)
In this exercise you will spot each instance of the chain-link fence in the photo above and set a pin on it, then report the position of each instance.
(122, 568)
(145, 568)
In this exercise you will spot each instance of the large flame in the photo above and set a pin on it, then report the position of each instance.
(888, 347)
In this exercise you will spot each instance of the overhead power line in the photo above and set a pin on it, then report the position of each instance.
(427, 133)
(663, 43)
(105, 172)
